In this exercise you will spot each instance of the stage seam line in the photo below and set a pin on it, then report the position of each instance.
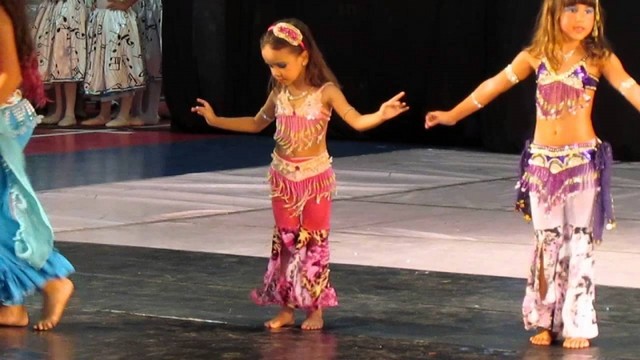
(167, 317)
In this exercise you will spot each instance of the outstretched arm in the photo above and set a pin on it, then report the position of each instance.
(519, 69)
(244, 124)
(615, 73)
(10, 77)
(388, 110)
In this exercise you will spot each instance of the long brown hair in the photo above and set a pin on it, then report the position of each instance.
(317, 71)
(547, 39)
(31, 81)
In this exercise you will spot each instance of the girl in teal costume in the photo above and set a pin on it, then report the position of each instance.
(28, 260)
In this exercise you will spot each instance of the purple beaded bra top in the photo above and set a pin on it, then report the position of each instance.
(560, 92)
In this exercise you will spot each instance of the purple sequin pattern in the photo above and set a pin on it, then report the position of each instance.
(557, 93)
(553, 188)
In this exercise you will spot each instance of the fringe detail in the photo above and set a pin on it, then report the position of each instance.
(603, 216)
(553, 189)
(523, 202)
(554, 98)
(297, 193)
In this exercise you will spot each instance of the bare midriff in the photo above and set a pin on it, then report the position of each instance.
(567, 129)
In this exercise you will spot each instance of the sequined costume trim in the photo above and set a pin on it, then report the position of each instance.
(559, 93)
(298, 181)
(299, 128)
(15, 98)
(554, 173)
(33, 241)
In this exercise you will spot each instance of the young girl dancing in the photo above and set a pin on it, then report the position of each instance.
(28, 260)
(565, 171)
(303, 93)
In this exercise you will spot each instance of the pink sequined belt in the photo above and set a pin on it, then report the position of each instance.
(298, 180)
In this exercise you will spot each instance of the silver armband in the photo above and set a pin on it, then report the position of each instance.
(626, 85)
(264, 116)
(475, 101)
(511, 76)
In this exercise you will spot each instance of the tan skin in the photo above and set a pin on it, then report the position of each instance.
(576, 23)
(10, 75)
(56, 292)
(288, 68)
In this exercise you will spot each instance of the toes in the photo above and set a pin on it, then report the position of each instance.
(576, 343)
(311, 326)
(44, 326)
(541, 339)
(270, 325)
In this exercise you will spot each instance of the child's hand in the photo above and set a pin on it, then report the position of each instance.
(205, 110)
(434, 118)
(119, 5)
(393, 107)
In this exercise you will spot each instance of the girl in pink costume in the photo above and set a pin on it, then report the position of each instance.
(304, 91)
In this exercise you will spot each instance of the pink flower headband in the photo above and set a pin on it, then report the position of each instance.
(288, 33)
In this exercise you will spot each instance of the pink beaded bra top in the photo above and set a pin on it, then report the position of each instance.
(566, 91)
(299, 128)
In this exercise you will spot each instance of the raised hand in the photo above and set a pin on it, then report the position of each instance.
(393, 107)
(204, 109)
(434, 118)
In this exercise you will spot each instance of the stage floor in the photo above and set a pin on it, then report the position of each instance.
(170, 232)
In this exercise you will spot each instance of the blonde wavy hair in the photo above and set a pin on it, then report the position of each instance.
(548, 36)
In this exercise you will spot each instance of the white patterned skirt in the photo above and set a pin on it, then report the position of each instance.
(60, 40)
(150, 27)
(115, 63)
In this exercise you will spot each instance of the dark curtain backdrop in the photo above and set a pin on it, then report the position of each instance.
(436, 50)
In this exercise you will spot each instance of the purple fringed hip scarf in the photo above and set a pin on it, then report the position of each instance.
(553, 173)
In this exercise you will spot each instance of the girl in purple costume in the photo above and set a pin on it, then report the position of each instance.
(564, 186)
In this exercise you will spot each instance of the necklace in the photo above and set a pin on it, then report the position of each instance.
(297, 97)
(566, 56)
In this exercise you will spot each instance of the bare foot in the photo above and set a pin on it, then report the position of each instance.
(124, 121)
(543, 338)
(56, 294)
(150, 119)
(51, 119)
(14, 316)
(575, 343)
(136, 121)
(313, 321)
(68, 120)
(284, 318)
(96, 121)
